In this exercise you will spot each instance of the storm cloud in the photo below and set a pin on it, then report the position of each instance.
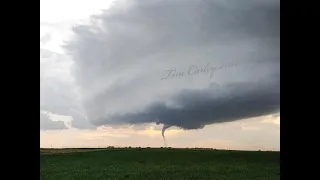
(193, 109)
(119, 59)
(47, 124)
(58, 94)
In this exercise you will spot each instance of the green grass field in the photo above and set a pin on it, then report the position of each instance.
(156, 164)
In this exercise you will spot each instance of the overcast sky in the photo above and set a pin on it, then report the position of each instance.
(117, 72)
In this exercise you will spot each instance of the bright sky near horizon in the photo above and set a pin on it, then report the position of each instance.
(107, 91)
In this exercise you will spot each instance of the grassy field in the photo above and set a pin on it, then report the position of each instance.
(156, 164)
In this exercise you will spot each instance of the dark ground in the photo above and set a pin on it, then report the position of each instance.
(156, 164)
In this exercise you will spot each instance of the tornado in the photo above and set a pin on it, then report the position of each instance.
(165, 126)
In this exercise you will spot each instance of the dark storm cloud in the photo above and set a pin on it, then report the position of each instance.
(119, 59)
(195, 109)
(79, 121)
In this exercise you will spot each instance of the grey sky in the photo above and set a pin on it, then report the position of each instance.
(120, 58)
(47, 124)
(118, 61)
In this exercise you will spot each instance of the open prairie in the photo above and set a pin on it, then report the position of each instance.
(157, 164)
